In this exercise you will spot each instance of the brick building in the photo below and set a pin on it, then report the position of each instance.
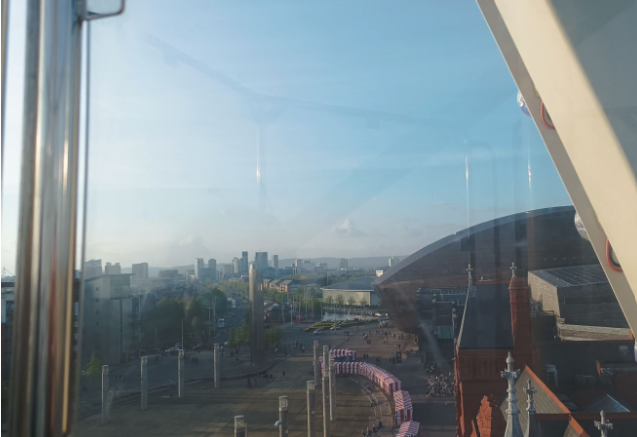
(496, 320)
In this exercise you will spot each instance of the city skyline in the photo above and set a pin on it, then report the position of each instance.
(153, 271)
(175, 126)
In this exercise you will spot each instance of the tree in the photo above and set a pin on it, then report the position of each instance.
(316, 306)
(274, 295)
(273, 335)
(196, 315)
(351, 301)
(340, 300)
(329, 300)
(94, 367)
(165, 319)
(217, 298)
(239, 336)
(363, 301)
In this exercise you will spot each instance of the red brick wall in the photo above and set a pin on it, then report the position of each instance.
(477, 375)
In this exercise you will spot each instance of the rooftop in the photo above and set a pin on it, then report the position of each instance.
(391, 275)
(357, 284)
(573, 275)
(607, 403)
(547, 403)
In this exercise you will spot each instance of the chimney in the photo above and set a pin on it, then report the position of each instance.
(521, 320)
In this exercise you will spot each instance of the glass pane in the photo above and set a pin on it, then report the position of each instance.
(266, 179)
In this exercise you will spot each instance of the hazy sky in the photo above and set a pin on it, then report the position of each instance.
(182, 90)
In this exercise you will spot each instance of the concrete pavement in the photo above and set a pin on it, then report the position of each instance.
(206, 411)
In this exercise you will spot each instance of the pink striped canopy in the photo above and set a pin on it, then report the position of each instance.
(404, 408)
(347, 368)
(408, 429)
(385, 380)
(340, 353)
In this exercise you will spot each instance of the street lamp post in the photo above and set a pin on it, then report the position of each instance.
(139, 323)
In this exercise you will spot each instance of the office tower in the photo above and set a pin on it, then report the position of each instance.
(236, 266)
(198, 267)
(140, 271)
(343, 264)
(212, 265)
(275, 261)
(257, 327)
(261, 260)
(92, 268)
(227, 270)
(393, 261)
(245, 264)
(112, 269)
(275, 264)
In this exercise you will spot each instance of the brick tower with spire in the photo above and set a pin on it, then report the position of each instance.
(521, 320)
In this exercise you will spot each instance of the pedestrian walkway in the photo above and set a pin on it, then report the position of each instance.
(208, 411)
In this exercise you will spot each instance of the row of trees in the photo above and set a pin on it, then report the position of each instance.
(340, 301)
(162, 324)
(241, 336)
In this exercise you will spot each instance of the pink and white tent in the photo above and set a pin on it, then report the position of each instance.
(340, 354)
(404, 408)
(409, 429)
(347, 368)
(385, 380)
(343, 355)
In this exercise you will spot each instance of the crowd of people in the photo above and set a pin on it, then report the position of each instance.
(441, 385)
(373, 429)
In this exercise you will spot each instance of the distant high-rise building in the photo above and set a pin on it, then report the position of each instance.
(343, 264)
(198, 267)
(257, 326)
(112, 269)
(166, 274)
(261, 260)
(189, 275)
(393, 261)
(275, 264)
(212, 264)
(140, 271)
(227, 270)
(236, 265)
(92, 268)
(245, 263)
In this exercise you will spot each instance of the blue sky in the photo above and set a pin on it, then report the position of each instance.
(173, 147)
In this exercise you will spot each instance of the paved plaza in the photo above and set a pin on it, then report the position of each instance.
(206, 411)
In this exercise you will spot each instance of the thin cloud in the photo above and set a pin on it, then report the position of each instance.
(348, 229)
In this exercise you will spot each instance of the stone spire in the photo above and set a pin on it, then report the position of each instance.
(513, 428)
(603, 425)
(532, 427)
(470, 277)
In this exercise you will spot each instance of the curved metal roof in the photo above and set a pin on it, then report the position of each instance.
(457, 236)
